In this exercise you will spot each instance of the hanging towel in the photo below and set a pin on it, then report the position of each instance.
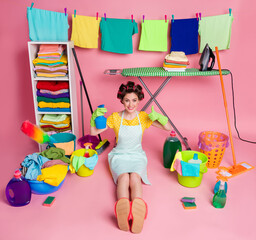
(184, 35)
(47, 25)
(116, 35)
(85, 31)
(154, 35)
(216, 31)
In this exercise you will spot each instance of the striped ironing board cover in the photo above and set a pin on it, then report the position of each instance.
(160, 72)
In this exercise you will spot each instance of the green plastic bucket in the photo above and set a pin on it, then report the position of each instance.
(193, 181)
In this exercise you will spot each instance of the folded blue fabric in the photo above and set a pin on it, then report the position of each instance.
(54, 109)
(34, 163)
(190, 169)
(47, 25)
(184, 35)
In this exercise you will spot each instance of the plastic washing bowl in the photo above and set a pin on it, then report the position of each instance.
(38, 187)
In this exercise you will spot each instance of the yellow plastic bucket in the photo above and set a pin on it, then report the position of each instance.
(83, 171)
(186, 181)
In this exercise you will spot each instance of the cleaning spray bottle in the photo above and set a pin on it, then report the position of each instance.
(220, 197)
(171, 145)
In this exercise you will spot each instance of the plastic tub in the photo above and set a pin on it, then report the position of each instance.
(40, 187)
(88, 139)
(192, 181)
(66, 141)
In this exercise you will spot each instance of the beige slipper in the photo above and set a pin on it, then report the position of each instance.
(138, 214)
(122, 212)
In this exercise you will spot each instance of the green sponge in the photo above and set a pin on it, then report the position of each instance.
(189, 205)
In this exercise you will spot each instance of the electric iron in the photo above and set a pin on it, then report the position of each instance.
(207, 54)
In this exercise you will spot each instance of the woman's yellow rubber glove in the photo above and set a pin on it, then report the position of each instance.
(98, 112)
(155, 116)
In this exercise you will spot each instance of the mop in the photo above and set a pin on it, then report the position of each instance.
(236, 169)
(105, 143)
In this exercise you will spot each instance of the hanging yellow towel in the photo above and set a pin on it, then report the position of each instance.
(85, 31)
(53, 175)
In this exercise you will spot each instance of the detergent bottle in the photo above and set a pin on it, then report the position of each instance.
(171, 145)
(195, 159)
(220, 197)
(101, 121)
(18, 191)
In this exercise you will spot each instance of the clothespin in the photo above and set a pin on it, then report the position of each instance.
(32, 4)
(143, 18)
(65, 10)
(165, 17)
(200, 16)
(197, 16)
(97, 15)
(105, 16)
(75, 13)
(132, 17)
(230, 10)
(172, 18)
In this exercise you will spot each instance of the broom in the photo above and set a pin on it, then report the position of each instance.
(236, 169)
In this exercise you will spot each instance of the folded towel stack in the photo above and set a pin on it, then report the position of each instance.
(175, 62)
(51, 61)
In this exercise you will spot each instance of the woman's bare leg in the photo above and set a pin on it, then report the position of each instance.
(135, 185)
(123, 186)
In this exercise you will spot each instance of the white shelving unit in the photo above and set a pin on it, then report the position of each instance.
(33, 48)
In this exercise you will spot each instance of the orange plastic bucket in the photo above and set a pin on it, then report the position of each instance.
(213, 145)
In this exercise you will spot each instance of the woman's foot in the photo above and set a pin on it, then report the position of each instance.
(122, 212)
(138, 214)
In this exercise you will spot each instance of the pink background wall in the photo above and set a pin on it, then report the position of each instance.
(194, 104)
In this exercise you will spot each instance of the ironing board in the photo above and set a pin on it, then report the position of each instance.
(160, 72)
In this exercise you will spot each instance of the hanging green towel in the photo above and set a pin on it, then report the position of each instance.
(116, 35)
(216, 31)
(154, 35)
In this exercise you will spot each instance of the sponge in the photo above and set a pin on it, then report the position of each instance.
(189, 205)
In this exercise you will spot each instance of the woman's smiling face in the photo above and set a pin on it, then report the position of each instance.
(130, 102)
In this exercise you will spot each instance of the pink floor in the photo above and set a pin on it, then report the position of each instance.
(84, 206)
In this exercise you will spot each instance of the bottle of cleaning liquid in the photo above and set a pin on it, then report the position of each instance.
(195, 159)
(171, 145)
(101, 121)
(18, 191)
(220, 197)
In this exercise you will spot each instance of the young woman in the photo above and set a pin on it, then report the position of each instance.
(128, 161)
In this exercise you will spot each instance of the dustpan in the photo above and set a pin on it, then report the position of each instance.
(236, 169)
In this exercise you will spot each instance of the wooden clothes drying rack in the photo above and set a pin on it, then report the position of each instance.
(160, 72)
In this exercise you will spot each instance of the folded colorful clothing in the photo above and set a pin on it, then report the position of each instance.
(57, 99)
(50, 75)
(55, 118)
(52, 85)
(52, 130)
(54, 109)
(53, 105)
(62, 60)
(177, 56)
(54, 92)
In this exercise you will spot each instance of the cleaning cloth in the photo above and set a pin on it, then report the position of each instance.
(184, 35)
(116, 35)
(53, 175)
(216, 31)
(85, 31)
(154, 35)
(55, 153)
(33, 163)
(190, 169)
(47, 25)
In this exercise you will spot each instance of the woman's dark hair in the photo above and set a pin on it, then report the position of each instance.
(130, 87)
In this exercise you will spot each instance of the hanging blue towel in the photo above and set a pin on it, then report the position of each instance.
(190, 169)
(47, 25)
(184, 35)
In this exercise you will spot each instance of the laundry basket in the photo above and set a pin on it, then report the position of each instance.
(213, 145)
